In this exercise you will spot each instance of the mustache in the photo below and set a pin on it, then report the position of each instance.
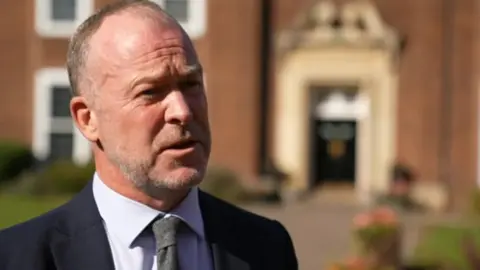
(178, 135)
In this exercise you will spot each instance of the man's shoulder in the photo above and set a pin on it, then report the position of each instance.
(28, 242)
(244, 219)
(242, 227)
(33, 229)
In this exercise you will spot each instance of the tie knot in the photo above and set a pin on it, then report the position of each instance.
(165, 230)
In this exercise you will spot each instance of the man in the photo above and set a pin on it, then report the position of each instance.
(139, 99)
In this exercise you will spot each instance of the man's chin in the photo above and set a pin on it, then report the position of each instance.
(180, 178)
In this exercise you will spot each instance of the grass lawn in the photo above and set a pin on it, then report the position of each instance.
(15, 209)
(446, 245)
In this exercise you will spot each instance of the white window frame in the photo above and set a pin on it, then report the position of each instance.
(197, 21)
(43, 122)
(47, 27)
(478, 136)
(205, 81)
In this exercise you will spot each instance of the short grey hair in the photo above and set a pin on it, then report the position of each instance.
(78, 47)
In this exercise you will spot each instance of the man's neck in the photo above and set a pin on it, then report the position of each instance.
(164, 201)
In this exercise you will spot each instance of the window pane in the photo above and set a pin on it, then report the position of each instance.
(178, 9)
(63, 10)
(61, 146)
(61, 101)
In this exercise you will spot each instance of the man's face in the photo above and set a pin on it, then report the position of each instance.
(150, 103)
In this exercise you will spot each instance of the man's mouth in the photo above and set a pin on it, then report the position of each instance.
(182, 145)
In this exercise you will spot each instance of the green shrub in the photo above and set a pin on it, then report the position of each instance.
(475, 203)
(15, 158)
(224, 184)
(402, 202)
(444, 245)
(63, 177)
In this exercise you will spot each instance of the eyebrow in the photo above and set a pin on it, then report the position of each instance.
(192, 69)
(157, 75)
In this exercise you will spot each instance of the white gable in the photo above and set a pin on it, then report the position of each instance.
(356, 23)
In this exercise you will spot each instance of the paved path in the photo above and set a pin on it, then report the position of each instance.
(321, 229)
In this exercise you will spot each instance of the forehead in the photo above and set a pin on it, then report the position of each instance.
(136, 37)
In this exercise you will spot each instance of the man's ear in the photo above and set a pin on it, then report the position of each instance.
(84, 118)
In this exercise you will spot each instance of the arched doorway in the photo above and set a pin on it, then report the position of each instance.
(316, 58)
(334, 113)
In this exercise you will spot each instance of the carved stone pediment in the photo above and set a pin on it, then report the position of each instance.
(356, 23)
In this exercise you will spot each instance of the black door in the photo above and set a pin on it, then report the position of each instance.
(332, 151)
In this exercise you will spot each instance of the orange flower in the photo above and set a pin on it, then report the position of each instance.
(385, 216)
(356, 263)
(363, 220)
(378, 216)
(353, 263)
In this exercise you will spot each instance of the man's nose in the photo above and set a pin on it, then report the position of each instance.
(178, 110)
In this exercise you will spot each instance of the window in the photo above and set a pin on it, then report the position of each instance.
(61, 146)
(61, 101)
(178, 9)
(63, 10)
(55, 135)
(59, 18)
(191, 14)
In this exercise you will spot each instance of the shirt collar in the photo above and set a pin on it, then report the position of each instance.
(128, 218)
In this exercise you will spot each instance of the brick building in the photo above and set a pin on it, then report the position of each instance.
(331, 91)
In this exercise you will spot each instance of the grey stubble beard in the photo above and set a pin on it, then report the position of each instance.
(139, 175)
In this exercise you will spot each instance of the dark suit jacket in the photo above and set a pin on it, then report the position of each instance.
(72, 237)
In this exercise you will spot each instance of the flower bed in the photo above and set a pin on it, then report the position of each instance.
(377, 235)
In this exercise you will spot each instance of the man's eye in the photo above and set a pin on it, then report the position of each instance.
(149, 92)
(190, 84)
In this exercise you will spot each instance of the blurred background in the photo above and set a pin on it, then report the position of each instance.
(320, 110)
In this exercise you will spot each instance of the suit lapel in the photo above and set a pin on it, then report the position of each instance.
(225, 260)
(86, 251)
(220, 237)
(80, 241)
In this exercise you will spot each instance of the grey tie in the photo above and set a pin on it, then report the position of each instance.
(165, 231)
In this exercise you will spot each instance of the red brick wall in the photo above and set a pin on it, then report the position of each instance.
(464, 99)
(15, 111)
(229, 53)
(420, 96)
(233, 78)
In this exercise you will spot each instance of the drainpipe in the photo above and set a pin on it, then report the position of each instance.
(447, 90)
(264, 85)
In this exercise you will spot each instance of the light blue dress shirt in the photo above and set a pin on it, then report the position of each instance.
(133, 248)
